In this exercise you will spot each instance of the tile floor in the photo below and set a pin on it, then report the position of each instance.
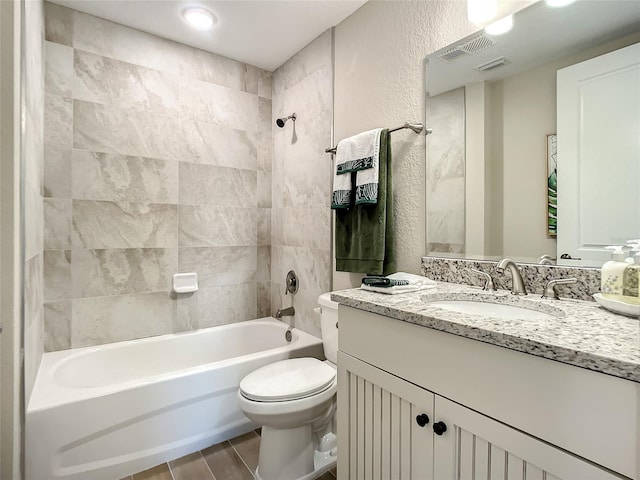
(236, 459)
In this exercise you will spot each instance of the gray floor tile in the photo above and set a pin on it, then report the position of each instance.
(248, 447)
(161, 472)
(191, 467)
(225, 464)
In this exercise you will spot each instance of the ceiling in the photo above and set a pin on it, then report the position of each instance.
(264, 33)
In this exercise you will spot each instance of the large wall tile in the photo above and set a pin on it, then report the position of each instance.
(213, 226)
(264, 226)
(113, 129)
(58, 73)
(58, 121)
(123, 225)
(122, 271)
(58, 24)
(33, 289)
(213, 185)
(265, 117)
(216, 104)
(58, 138)
(57, 223)
(126, 44)
(217, 266)
(305, 227)
(99, 320)
(264, 188)
(264, 299)
(313, 268)
(263, 273)
(312, 57)
(57, 275)
(264, 147)
(213, 306)
(112, 177)
(265, 84)
(57, 326)
(104, 80)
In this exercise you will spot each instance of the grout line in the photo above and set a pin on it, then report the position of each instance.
(206, 464)
(173, 477)
(253, 474)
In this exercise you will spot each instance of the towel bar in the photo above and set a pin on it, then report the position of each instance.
(416, 127)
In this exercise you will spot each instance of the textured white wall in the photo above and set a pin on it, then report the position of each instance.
(379, 81)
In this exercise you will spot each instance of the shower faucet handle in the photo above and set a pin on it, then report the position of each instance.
(291, 283)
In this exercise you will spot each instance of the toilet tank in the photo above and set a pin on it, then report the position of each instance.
(329, 326)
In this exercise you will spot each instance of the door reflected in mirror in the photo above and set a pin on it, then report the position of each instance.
(493, 102)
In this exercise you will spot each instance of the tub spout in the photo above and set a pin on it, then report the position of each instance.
(286, 312)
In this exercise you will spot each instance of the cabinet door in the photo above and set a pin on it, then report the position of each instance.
(379, 437)
(475, 447)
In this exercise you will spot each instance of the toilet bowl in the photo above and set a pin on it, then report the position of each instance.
(295, 402)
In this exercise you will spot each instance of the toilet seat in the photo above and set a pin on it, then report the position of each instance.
(288, 380)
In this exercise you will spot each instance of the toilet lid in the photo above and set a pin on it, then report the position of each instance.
(287, 380)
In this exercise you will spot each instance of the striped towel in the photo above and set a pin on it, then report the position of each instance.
(359, 154)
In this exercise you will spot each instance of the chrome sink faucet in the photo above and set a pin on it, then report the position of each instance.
(517, 284)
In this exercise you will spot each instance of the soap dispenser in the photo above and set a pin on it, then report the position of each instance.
(611, 282)
(631, 276)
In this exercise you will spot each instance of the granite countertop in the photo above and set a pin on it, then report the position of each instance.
(584, 334)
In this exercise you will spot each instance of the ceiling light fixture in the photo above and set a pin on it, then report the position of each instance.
(500, 26)
(479, 11)
(559, 3)
(199, 18)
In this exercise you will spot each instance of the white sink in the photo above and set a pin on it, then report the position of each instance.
(495, 310)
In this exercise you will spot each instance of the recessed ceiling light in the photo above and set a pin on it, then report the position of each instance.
(500, 26)
(559, 3)
(199, 18)
(479, 11)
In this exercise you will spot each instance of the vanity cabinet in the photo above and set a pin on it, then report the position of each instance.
(415, 403)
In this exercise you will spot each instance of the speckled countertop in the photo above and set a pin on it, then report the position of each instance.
(580, 333)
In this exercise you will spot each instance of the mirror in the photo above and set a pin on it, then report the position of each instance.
(501, 178)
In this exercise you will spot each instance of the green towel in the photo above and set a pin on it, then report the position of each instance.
(364, 233)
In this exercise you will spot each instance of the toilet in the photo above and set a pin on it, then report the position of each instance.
(295, 402)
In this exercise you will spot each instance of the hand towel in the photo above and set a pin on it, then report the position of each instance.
(360, 154)
(364, 233)
(415, 283)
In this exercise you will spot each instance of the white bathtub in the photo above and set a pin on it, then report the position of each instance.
(106, 412)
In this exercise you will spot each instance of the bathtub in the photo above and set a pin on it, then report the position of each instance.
(109, 411)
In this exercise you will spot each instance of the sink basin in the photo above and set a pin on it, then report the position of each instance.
(507, 307)
(495, 310)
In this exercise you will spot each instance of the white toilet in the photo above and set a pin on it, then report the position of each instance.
(295, 401)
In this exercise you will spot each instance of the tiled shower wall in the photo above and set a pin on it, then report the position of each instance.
(301, 217)
(32, 160)
(157, 161)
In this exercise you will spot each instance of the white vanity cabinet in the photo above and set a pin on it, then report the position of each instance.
(400, 386)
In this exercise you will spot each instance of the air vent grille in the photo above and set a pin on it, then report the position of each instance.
(475, 44)
(491, 64)
(452, 54)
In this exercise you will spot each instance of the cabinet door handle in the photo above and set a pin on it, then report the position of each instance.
(422, 419)
(439, 428)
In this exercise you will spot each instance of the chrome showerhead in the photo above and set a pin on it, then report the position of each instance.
(281, 121)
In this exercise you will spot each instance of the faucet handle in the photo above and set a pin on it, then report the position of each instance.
(488, 284)
(550, 290)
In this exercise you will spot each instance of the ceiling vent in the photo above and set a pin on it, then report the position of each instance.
(490, 65)
(473, 45)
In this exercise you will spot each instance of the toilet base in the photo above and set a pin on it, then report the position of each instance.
(323, 462)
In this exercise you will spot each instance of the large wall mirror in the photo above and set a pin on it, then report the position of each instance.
(535, 150)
